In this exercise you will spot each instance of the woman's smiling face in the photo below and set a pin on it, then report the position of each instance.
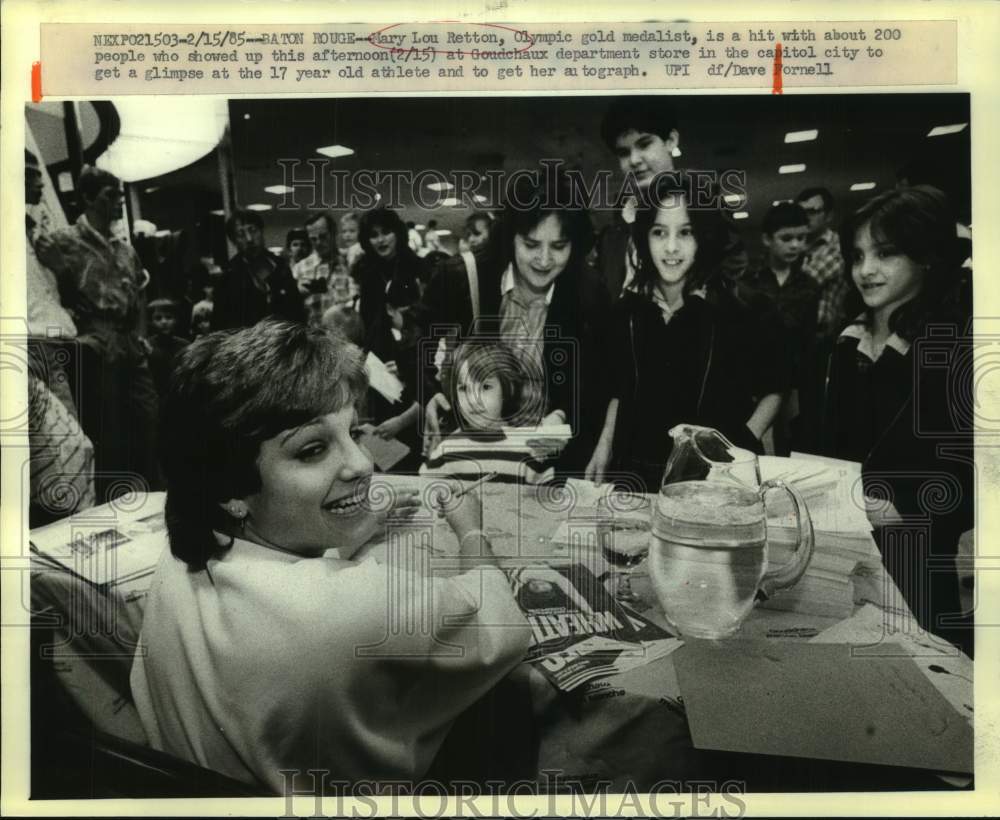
(314, 489)
(542, 254)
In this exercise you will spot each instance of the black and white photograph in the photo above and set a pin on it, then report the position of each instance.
(326, 394)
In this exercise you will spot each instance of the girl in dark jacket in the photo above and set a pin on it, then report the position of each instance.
(899, 393)
(686, 350)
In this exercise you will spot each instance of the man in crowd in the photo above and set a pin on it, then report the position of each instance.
(102, 282)
(256, 283)
(822, 260)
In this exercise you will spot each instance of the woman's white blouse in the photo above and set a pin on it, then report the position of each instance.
(289, 663)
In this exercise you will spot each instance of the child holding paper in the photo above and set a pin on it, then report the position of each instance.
(490, 390)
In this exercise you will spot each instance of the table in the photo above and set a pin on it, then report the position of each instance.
(603, 732)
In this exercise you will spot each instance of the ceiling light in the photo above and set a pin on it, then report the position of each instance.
(152, 189)
(279, 189)
(780, 202)
(862, 186)
(218, 212)
(741, 215)
(732, 199)
(258, 206)
(443, 232)
(450, 202)
(941, 130)
(801, 136)
(334, 151)
(277, 250)
(479, 198)
(420, 227)
(440, 186)
(796, 168)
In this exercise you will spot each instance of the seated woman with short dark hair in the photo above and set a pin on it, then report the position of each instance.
(259, 654)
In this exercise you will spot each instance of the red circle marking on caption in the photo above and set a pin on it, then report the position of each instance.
(486, 46)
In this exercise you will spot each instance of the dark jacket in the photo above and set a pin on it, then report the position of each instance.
(574, 347)
(238, 302)
(907, 418)
(709, 365)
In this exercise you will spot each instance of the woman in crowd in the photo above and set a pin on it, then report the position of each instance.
(387, 257)
(534, 291)
(258, 652)
(685, 349)
(899, 391)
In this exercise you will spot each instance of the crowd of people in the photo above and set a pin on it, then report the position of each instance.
(539, 322)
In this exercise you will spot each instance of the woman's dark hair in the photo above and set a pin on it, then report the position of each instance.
(709, 229)
(918, 223)
(523, 402)
(230, 392)
(531, 198)
(388, 220)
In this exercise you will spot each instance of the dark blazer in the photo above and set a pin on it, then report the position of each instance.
(574, 347)
(237, 302)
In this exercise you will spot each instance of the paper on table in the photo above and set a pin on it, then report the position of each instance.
(382, 380)
(948, 670)
(386, 453)
(108, 543)
(819, 701)
(586, 493)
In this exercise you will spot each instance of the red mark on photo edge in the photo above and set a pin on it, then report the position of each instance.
(776, 88)
(36, 82)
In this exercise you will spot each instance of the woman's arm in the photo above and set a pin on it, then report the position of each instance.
(390, 428)
(764, 414)
(603, 451)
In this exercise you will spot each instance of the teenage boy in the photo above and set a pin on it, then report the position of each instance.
(786, 298)
(164, 343)
(643, 134)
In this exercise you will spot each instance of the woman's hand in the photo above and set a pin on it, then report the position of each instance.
(432, 422)
(402, 505)
(390, 428)
(598, 463)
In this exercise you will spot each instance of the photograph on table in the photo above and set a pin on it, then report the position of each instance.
(231, 337)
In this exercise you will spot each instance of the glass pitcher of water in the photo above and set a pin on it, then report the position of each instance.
(708, 544)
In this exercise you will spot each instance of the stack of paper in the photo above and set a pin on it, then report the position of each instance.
(108, 546)
(833, 495)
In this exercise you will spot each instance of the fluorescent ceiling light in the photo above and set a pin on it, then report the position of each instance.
(279, 189)
(334, 151)
(450, 202)
(796, 168)
(862, 186)
(732, 199)
(152, 189)
(941, 130)
(801, 136)
(276, 250)
(741, 215)
(443, 232)
(218, 212)
(258, 206)
(420, 227)
(479, 197)
(440, 186)
(780, 202)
